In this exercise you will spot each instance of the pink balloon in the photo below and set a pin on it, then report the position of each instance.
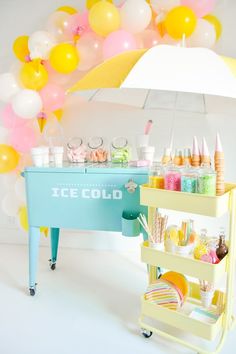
(148, 39)
(22, 138)
(53, 97)
(118, 42)
(200, 7)
(10, 119)
(78, 24)
(90, 48)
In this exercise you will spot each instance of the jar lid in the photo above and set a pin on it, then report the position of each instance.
(119, 142)
(95, 142)
(74, 143)
(187, 152)
(178, 152)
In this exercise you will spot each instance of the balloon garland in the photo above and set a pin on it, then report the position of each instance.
(71, 44)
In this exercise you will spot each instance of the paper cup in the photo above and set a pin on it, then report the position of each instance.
(40, 156)
(169, 246)
(184, 250)
(57, 153)
(146, 153)
(142, 140)
(206, 298)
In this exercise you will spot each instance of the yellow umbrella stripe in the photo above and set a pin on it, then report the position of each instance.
(111, 73)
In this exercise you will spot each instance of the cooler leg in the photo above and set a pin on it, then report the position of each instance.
(34, 236)
(54, 246)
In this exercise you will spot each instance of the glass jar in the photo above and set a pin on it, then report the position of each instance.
(189, 180)
(96, 150)
(206, 181)
(156, 176)
(120, 150)
(178, 158)
(76, 150)
(222, 249)
(173, 178)
(187, 159)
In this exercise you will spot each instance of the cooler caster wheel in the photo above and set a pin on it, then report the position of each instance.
(32, 292)
(146, 333)
(53, 266)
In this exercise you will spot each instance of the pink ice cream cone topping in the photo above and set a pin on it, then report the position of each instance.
(196, 150)
(218, 144)
(205, 150)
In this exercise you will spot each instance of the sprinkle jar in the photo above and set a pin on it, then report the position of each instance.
(156, 176)
(206, 181)
(173, 179)
(189, 179)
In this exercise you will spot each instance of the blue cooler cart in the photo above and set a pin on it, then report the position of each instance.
(102, 197)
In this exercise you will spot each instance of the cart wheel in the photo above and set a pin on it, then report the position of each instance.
(53, 266)
(32, 291)
(146, 333)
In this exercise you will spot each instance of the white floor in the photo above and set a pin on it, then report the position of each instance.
(90, 304)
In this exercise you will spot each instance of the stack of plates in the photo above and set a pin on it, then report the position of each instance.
(169, 291)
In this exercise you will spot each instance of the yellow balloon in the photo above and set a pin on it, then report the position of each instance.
(64, 58)
(9, 158)
(33, 75)
(20, 47)
(23, 218)
(90, 3)
(68, 9)
(104, 18)
(216, 23)
(181, 21)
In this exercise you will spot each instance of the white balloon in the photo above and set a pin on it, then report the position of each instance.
(20, 189)
(136, 15)
(8, 87)
(27, 104)
(10, 204)
(203, 36)
(40, 44)
(164, 5)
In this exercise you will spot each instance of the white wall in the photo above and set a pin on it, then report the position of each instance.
(86, 119)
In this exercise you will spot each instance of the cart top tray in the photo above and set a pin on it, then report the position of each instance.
(214, 206)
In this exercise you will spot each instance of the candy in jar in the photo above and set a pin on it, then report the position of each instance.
(173, 179)
(96, 150)
(120, 150)
(206, 181)
(189, 180)
(76, 150)
(156, 176)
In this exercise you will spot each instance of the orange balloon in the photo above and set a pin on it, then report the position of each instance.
(180, 21)
(20, 47)
(9, 158)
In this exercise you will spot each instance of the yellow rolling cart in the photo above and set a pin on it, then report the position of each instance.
(181, 319)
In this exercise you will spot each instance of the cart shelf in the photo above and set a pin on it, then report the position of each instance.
(181, 319)
(187, 265)
(187, 202)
